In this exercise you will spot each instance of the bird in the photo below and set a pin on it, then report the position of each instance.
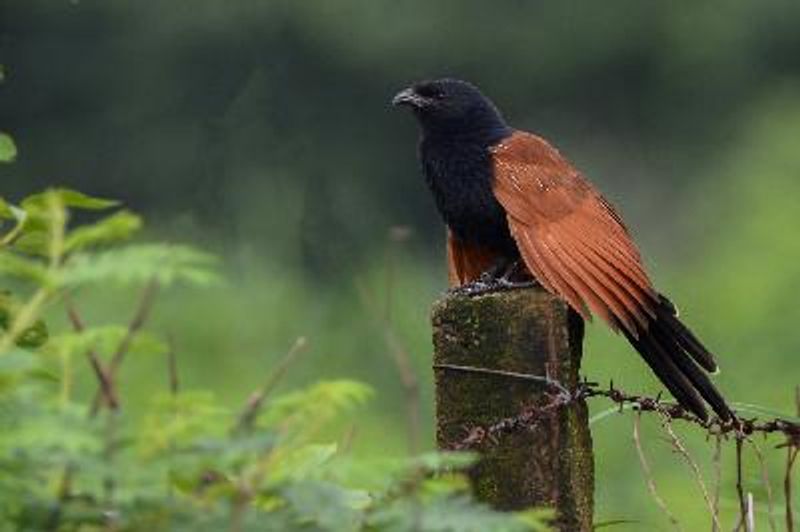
(514, 205)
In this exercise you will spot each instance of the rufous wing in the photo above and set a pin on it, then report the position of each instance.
(576, 245)
(569, 236)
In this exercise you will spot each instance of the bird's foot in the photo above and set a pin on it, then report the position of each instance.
(489, 281)
(477, 288)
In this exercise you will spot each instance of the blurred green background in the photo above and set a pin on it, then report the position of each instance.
(261, 130)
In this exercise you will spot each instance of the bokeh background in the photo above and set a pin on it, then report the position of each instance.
(261, 130)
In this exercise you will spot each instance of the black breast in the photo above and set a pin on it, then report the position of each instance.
(460, 176)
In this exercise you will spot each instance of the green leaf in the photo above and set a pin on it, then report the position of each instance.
(5, 210)
(327, 505)
(105, 339)
(34, 336)
(8, 150)
(17, 361)
(442, 461)
(191, 419)
(537, 519)
(444, 484)
(141, 263)
(35, 242)
(302, 462)
(23, 268)
(119, 226)
(321, 402)
(453, 514)
(68, 198)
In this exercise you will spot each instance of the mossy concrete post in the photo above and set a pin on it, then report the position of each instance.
(523, 331)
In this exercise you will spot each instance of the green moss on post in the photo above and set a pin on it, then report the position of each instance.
(526, 331)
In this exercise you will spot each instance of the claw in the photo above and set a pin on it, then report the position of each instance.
(497, 278)
(480, 287)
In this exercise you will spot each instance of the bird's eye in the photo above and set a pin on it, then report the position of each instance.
(430, 91)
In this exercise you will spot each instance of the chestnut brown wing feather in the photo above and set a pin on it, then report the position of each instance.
(577, 246)
(569, 235)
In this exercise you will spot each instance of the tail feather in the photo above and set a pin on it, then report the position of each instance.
(680, 361)
(668, 316)
(666, 371)
(690, 369)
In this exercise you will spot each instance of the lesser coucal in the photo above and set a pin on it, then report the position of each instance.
(511, 200)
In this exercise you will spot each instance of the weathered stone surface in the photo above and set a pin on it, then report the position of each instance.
(527, 331)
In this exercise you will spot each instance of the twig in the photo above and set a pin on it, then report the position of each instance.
(139, 317)
(791, 457)
(739, 486)
(402, 361)
(681, 448)
(717, 461)
(793, 448)
(648, 474)
(172, 365)
(110, 446)
(64, 494)
(106, 386)
(767, 484)
(256, 399)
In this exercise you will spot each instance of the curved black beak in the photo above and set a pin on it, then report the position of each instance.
(407, 97)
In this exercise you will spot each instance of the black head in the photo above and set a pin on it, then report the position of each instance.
(452, 107)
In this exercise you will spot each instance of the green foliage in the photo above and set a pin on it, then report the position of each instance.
(8, 150)
(188, 462)
(138, 263)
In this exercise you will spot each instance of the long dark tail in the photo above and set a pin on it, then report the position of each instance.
(681, 362)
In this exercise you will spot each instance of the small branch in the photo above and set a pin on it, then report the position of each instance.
(648, 474)
(405, 369)
(106, 386)
(767, 484)
(739, 486)
(254, 402)
(681, 448)
(791, 457)
(139, 318)
(172, 366)
(64, 494)
(717, 461)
